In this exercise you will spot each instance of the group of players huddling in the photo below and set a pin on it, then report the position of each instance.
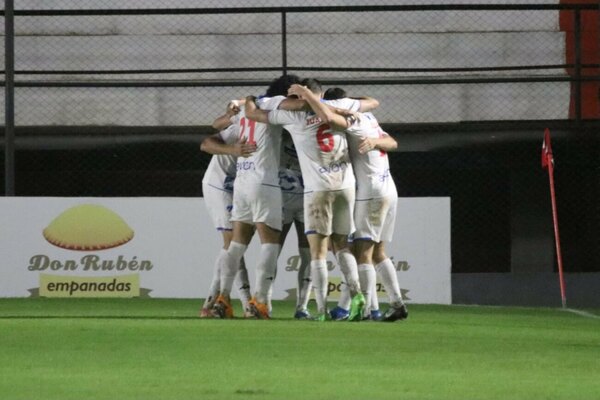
(316, 160)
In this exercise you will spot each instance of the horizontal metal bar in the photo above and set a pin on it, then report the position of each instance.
(327, 81)
(266, 69)
(318, 9)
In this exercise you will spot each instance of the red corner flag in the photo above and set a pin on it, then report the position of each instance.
(547, 157)
(548, 163)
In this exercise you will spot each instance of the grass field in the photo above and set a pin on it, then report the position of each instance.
(158, 349)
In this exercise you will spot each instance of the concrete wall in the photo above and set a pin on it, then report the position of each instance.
(380, 39)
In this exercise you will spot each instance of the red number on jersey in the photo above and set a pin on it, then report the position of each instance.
(251, 125)
(325, 138)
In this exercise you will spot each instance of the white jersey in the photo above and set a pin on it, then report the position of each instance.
(260, 168)
(322, 152)
(221, 170)
(290, 174)
(372, 169)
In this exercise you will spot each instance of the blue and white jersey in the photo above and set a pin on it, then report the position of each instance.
(322, 152)
(290, 175)
(262, 166)
(372, 169)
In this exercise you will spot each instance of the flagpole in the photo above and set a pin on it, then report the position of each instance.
(548, 161)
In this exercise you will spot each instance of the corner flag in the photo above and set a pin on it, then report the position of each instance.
(548, 163)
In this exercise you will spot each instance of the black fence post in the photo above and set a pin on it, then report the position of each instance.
(284, 43)
(9, 92)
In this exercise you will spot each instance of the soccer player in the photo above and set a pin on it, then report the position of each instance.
(329, 196)
(217, 188)
(292, 192)
(256, 205)
(376, 198)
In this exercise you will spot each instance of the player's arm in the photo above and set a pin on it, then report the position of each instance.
(233, 108)
(384, 143)
(254, 113)
(323, 111)
(293, 104)
(367, 103)
(214, 144)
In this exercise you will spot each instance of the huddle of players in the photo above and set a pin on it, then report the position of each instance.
(335, 139)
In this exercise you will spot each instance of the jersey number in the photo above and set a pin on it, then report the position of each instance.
(244, 122)
(325, 138)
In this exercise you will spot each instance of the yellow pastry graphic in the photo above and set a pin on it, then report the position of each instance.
(88, 227)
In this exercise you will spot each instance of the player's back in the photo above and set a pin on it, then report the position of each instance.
(372, 169)
(322, 151)
(262, 166)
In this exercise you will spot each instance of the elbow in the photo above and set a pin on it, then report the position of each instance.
(204, 146)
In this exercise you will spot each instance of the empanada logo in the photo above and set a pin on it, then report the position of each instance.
(88, 227)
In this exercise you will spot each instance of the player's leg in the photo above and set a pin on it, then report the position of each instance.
(285, 229)
(387, 272)
(304, 279)
(318, 270)
(342, 310)
(318, 213)
(363, 250)
(349, 269)
(267, 216)
(266, 268)
(385, 267)
(342, 226)
(213, 290)
(229, 262)
(242, 282)
(218, 203)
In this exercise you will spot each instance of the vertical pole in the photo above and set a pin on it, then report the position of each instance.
(548, 162)
(284, 43)
(9, 101)
(561, 278)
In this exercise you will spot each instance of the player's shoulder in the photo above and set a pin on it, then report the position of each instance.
(269, 103)
(345, 103)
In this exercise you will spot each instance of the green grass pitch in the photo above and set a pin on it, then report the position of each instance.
(158, 349)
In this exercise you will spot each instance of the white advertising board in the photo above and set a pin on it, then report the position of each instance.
(165, 247)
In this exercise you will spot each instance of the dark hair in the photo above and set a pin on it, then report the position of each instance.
(280, 86)
(335, 93)
(312, 84)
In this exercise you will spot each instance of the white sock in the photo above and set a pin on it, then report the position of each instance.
(349, 269)
(270, 293)
(266, 269)
(215, 284)
(368, 277)
(387, 272)
(303, 291)
(319, 274)
(374, 298)
(229, 265)
(345, 299)
(243, 284)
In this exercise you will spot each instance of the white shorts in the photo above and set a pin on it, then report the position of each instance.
(293, 207)
(375, 219)
(218, 203)
(260, 203)
(328, 212)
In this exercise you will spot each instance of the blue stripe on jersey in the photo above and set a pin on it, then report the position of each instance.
(221, 189)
